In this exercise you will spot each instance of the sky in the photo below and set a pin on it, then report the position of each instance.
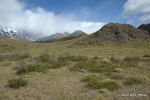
(46, 17)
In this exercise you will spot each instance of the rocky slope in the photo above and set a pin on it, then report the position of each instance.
(145, 27)
(119, 32)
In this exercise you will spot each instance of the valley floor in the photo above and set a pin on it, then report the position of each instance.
(74, 72)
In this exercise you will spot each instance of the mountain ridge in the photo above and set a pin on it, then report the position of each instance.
(115, 32)
(61, 36)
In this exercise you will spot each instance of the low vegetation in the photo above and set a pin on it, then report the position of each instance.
(137, 80)
(14, 56)
(146, 55)
(118, 70)
(102, 66)
(93, 82)
(58, 64)
(116, 76)
(44, 58)
(105, 92)
(69, 57)
(107, 69)
(132, 58)
(27, 68)
(16, 83)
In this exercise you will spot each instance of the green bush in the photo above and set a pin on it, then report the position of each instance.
(146, 55)
(102, 66)
(136, 80)
(118, 70)
(132, 58)
(23, 68)
(105, 92)
(93, 82)
(17, 83)
(93, 66)
(89, 78)
(110, 85)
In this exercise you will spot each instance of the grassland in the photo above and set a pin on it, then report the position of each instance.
(69, 71)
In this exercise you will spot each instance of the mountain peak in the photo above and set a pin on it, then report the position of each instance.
(121, 32)
(8, 32)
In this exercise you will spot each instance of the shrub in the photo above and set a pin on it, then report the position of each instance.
(102, 66)
(105, 92)
(110, 85)
(132, 58)
(136, 80)
(146, 55)
(105, 61)
(87, 65)
(118, 70)
(94, 83)
(93, 66)
(89, 78)
(17, 83)
(23, 68)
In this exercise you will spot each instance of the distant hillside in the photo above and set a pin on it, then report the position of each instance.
(77, 33)
(73, 35)
(61, 36)
(115, 32)
(119, 32)
(52, 37)
(145, 27)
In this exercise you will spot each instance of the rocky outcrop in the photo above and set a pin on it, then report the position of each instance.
(145, 27)
(119, 32)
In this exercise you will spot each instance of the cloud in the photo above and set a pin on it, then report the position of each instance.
(9, 9)
(41, 22)
(139, 8)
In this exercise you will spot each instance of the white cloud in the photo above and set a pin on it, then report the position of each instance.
(39, 21)
(8, 10)
(140, 8)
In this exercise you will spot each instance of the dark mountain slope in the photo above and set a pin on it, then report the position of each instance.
(114, 32)
(145, 27)
(119, 32)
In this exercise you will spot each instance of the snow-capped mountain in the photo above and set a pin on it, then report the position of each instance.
(8, 32)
